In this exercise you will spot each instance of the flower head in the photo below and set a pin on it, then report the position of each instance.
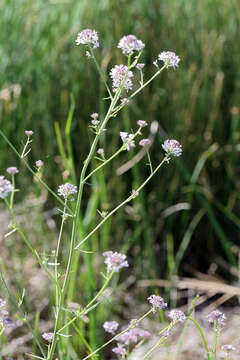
(110, 326)
(121, 76)
(144, 142)
(100, 151)
(177, 315)
(12, 170)
(132, 336)
(130, 43)
(119, 350)
(228, 348)
(218, 316)
(157, 302)
(48, 336)
(66, 190)
(140, 66)
(29, 133)
(125, 101)
(88, 37)
(142, 123)
(172, 147)
(5, 187)
(128, 140)
(95, 121)
(115, 261)
(39, 163)
(94, 116)
(169, 58)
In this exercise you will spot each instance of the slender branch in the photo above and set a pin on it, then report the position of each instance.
(33, 172)
(148, 81)
(100, 72)
(104, 163)
(23, 315)
(75, 222)
(132, 326)
(149, 161)
(81, 313)
(57, 252)
(202, 336)
(27, 243)
(121, 205)
(215, 340)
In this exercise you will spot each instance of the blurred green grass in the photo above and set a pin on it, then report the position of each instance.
(198, 104)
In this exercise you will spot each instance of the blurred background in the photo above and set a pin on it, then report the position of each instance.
(186, 221)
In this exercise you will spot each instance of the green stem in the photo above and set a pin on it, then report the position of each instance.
(215, 340)
(121, 205)
(153, 348)
(202, 336)
(23, 315)
(149, 161)
(148, 81)
(116, 336)
(12, 193)
(100, 72)
(27, 243)
(103, 164)
(181, 337)
(57, 252)
(89, 304)
(78, 203)
(122, 148)
(25, 147)
(34, 173)
(75, 222)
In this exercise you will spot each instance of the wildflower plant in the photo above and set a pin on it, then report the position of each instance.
(56, 341)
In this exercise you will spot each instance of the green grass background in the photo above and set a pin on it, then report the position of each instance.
(198, 104)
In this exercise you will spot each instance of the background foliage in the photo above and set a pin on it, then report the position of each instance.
(193, 204)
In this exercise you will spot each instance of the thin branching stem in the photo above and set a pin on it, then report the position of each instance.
(132, 196)
(132, 326)
(34, 173)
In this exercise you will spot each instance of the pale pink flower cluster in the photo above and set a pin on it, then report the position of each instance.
(29, 133)
(144, 142)
(100, 151)
(130, 43)
(140, 66)
(12, 170)
(128, 140)
(121, 76)
(142, 123)
(177, 315)
(48, 336)
(66, 190)
(228, 348)
(110, 326)
(115, 261)
(132, 336)
(129, 338)
(172, 147)
(157, 302)
(169, 58)
(119, 350)
(5, 187)
(95, 120)
(217, 316)
(88, 37)
(39, 163)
